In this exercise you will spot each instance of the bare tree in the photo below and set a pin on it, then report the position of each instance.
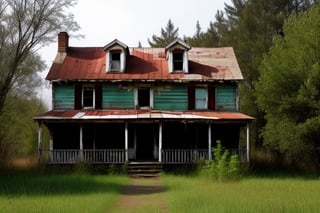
(25, 26)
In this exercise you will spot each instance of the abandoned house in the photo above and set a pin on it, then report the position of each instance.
(116, 104)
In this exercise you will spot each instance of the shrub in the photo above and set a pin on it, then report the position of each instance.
(222, 167)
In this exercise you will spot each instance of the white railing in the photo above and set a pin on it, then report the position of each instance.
(176, 156)
(90, 156)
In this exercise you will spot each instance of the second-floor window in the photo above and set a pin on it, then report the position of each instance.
(144, 98)
(177, 59)
(88, 97)
(201, 98)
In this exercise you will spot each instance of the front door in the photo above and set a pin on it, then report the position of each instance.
(146, 141)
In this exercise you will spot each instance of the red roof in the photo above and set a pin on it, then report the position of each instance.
(141, 114)
(89, 63)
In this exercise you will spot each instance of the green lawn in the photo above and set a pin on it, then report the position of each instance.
(186, 194)
(59, 193)
(30, 192)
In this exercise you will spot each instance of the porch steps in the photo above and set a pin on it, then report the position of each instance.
(144, 169)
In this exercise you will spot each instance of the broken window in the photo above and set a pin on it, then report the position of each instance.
(177, 61)
(115, 59)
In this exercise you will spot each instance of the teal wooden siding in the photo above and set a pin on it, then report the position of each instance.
(226, 98)
(171, 98)
(115, 97)
(63, 97)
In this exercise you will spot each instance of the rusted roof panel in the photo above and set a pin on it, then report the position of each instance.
(89, 63)
(141, 114)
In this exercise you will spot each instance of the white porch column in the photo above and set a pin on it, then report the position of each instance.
(81, 142)
(248, 143)
(209, 142)
(160, 141)
(126, 141)
(40, 141)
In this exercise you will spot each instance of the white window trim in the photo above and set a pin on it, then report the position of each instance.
(206, 104)
(136, 100)
(185, 62)
(94, 96)
(122, 61)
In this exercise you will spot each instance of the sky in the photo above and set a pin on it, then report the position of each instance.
(131, 22)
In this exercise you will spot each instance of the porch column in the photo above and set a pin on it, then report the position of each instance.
(209, 142)
(160, 141)
(248, 143)
(126, 141)
(39, 141)
(51, 146)
(81, 143)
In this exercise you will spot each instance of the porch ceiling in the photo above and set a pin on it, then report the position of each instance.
(136, 115)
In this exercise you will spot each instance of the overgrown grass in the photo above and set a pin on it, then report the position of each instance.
(31, 192)
(252, 194)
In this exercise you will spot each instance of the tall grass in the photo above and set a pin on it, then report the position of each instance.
(31, 192)
(190, 194)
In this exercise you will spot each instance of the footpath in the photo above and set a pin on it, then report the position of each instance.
(142, 195)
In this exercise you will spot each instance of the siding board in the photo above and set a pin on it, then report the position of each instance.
(115, 97)
(226, 98)
(171, 98)
(63, 97)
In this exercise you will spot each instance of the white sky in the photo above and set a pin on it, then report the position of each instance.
(131, 21)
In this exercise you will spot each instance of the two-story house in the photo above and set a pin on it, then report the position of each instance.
(115, 104)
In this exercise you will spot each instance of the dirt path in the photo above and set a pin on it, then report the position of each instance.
(142, 195)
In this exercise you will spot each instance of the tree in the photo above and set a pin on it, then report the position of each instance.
(168, 35)
(25, 26)
(288, 89)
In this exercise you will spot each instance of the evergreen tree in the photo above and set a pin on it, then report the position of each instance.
(288, 88)
(168, 35)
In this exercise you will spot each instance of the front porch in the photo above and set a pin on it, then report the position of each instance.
(167, 142)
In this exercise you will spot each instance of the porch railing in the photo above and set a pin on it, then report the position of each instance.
(181, 156)
(90, 156)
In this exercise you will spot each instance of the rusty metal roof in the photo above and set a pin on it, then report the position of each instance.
(89, 63)
(141, 114)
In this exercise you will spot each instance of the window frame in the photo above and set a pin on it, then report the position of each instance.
(205, 99)
(136, 98)
(89, 88)
(120, 60)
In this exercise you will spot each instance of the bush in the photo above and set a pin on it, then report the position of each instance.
(222, 167)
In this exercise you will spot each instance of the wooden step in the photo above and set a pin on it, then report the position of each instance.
(144, 169)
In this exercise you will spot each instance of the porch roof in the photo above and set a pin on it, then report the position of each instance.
(92, 115)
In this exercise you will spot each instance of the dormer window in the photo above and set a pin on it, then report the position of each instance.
(116, 53)
(115, 61)
(177, 60)
(177, 55)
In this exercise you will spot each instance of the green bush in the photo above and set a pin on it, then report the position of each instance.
(222, 167)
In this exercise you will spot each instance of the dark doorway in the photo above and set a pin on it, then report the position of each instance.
(147, 142)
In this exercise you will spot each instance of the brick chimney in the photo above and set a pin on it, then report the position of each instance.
(63, 42)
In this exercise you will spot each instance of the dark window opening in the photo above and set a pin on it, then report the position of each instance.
(115, 61)
(144, 97)
(88, 97)
(177, 61)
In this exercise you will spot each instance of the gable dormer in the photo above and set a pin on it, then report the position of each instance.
(116, 56)
(177, 56)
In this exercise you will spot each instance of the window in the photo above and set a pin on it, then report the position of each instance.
(88, 97)
(201, 98)
(144, 98)
(177, 61)
(115, 61)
